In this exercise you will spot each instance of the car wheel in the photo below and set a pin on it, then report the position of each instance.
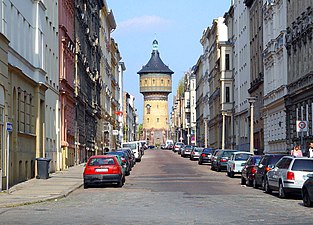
(231, 174)
(120, 183)
(255, 185)
(243, 181)
(199, 162)
(281, 191)
(267, 188)
(249, 182)
(306, 198)
(218, 169)
(85, 185)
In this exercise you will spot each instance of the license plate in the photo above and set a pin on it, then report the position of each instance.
(102, 170)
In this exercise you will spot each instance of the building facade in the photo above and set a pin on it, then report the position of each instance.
(155, 85)
(275, 75)
(241, 73)
(66, 90)
(22, 87)
(299, 45)
(256, 89)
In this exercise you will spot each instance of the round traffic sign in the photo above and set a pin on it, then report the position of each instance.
(302, 125)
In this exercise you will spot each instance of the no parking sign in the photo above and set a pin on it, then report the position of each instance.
(302, 126)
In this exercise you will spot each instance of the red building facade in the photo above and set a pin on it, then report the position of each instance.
(67, 90)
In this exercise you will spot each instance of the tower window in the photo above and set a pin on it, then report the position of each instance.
(146, 82)
(162, 82)
(158, 120)
(147, 120)
(227, 64)
(227, 94)
(153, 82)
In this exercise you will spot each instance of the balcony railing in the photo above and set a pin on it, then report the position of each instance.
(155, 89)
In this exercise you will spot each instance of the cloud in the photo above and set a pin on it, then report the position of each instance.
(144, 23)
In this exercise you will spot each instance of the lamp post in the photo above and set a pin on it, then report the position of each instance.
(251, 100)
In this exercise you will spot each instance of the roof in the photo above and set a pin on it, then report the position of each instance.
(155, 64)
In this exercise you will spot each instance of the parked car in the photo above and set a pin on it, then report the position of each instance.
(177, 146)
(130, 154)
(213, 159)
(249, 169)
(135, 147)
(236, 162)
(186, 150)
(307, 191)
(266, 164)
(103, 169)
(205, 156)
(288, 175)
(125, 160)
(195, 153)
(222, 158)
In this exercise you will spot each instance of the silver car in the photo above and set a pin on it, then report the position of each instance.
(288, 175)
(195, 153)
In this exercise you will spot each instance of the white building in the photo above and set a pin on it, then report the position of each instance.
(275, 75)
(241, 66)
(51, 66)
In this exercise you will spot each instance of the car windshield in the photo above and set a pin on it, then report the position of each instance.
(132, 146)
(274, 159)
(227, 153)
(242, 156)
(198, 149)
(188, 147)
(207, 150)
(116, 153)
(101, 161)
(303, 165)
(257, 160)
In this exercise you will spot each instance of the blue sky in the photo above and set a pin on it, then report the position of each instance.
(176, 24)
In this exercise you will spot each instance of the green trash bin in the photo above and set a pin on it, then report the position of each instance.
(43, 168)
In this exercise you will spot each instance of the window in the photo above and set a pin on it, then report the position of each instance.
(146, 82)
(227, 63)
(148, 120)
(158, 120)
(227, 95)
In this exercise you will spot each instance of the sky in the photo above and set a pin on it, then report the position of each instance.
(176, 24)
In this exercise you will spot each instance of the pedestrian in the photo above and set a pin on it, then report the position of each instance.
(311, 150)
(296, 151)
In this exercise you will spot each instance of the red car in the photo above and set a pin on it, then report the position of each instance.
(248, 171)
(103, 169)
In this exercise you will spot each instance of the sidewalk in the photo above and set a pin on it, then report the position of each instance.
(59, 185)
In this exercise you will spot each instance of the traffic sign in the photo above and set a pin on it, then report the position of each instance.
(9, 127)
(302, 126)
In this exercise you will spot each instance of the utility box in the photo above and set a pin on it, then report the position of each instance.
(43, 168)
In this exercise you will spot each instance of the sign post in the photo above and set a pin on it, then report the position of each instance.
(302, 126)
(9, 128)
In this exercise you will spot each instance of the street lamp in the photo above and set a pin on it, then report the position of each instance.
(251, 100)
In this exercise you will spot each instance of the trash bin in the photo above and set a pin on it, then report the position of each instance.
(43, 168)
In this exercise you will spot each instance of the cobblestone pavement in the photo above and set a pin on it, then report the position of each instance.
(166, 189)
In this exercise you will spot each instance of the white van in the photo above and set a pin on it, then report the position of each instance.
(135, 147)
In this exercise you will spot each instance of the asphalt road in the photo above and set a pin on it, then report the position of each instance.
(166, 189)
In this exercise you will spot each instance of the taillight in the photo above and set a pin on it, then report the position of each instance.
(223, 160)
(123, 160)
(253, 170)
(203, 155)
(115, 169)
(290, 175)
(267, 169)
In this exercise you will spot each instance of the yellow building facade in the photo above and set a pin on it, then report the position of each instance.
(155, 85)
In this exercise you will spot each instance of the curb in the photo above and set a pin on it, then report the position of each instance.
(64, 194)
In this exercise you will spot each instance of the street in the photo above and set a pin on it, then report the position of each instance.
(166, 189)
